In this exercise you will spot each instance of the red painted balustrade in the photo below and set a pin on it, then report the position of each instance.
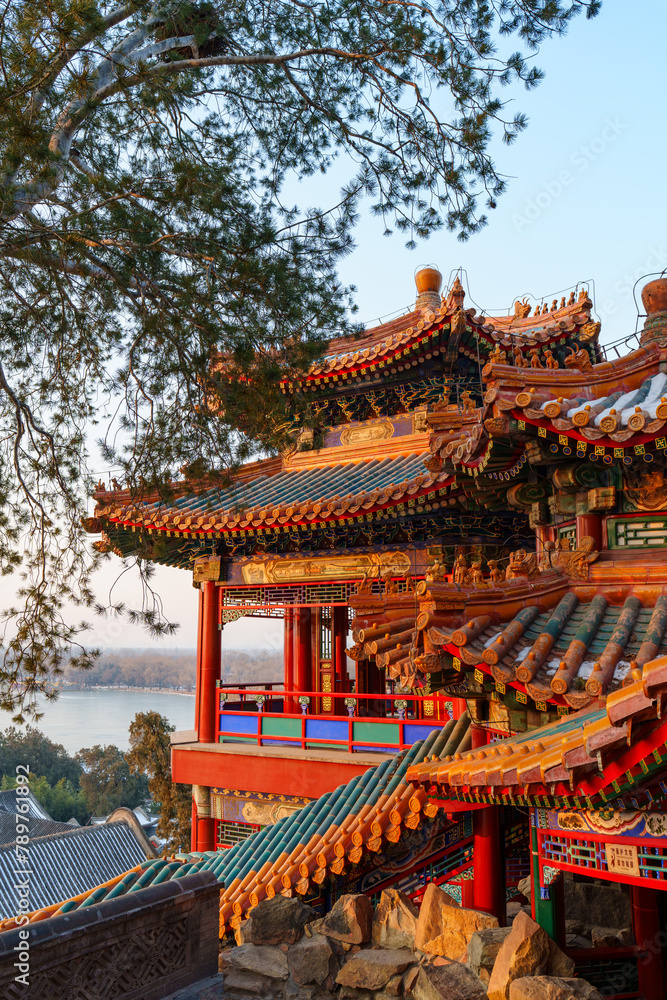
(349, 722)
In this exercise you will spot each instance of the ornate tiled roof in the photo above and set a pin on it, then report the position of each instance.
(576, 652)
(298, 852)
(32, 809)
(614, 755)
(405, 341)
(547, 324)
(621, 402)
(38, 828)
(540, 633)
(339, 490)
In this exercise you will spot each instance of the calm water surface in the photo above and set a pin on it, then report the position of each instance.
(83, 718)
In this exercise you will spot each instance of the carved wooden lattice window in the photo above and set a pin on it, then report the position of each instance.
(568, 531)
(638, 533)
(325, 633)
(228, 834)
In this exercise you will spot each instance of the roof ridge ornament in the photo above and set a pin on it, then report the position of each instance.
(654, 298)
(456, 296)
(429, 282)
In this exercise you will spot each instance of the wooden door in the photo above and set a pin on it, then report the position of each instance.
(325, 671)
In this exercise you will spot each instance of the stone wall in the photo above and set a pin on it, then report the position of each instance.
(141, 946)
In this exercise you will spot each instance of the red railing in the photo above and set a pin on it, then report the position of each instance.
(371, 721)
(409, 706)
(253, 686)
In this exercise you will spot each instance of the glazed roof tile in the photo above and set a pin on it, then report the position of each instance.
(412, 330)
(540, 632)
(291, 495)
(301, 849)
(64, 864)
(573, 653)
(614, 403)
(601, 755)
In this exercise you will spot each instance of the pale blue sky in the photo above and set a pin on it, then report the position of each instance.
(586, 201)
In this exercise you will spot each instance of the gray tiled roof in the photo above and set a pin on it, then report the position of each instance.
(8, 804)
(65, 864)
(38, 827)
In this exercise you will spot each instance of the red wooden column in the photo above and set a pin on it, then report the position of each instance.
(468, 894)
(489, 884)
(289, 660)
(208, 672)
(193, 827)
(479, 736)
(648, 935)
(589, 524)
(208, 663)
(303, 651)
(339, 622)
(459, 706)
(198, 678)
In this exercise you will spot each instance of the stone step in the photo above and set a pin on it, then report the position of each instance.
(205, 989)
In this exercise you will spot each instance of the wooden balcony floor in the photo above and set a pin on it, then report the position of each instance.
(285, 770)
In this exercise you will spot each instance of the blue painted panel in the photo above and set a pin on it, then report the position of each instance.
(325, 729)
(413, 731)
(230, 722)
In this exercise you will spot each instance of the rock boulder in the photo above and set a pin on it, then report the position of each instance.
(395, 921)
(447, 982)
(349, 993)
(559, 963)
(552, 988)
(597, 905)
(350, 920)
(372, 968)
(524, 952)
(278, 921)
(312, 960)
(608, 937)
(263, 960)
(446, 929)
(246, 984)
(483, 949)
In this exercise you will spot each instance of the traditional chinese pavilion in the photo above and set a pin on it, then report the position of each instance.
(468, 552)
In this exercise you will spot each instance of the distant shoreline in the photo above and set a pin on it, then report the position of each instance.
(125, 687)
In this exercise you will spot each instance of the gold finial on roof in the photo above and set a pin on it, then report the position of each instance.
(455, 296)
(429, 282)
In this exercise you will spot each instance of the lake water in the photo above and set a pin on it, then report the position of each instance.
(84, 718)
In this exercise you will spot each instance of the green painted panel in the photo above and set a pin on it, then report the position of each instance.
(281, 727)
(637, 533)
(376, 732)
